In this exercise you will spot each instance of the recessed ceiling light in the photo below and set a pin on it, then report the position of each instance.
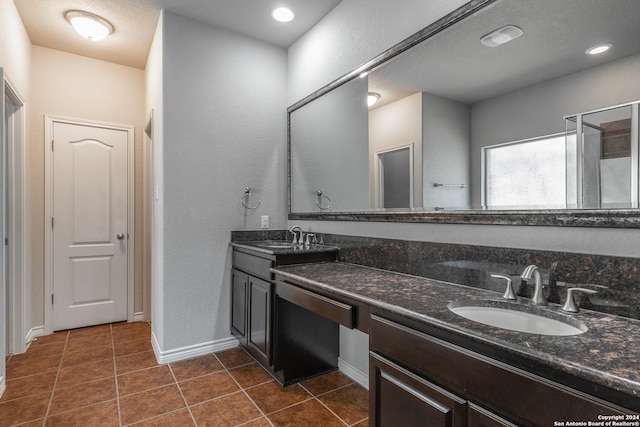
(88, 25)
(501, 36)
(372, 98)
(283, 14)
(601, 48)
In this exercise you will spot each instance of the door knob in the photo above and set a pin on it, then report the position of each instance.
(120, 236)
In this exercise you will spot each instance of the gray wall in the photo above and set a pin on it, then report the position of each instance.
(446, 128)
(223, 98)
(539, 110)
(330, 155)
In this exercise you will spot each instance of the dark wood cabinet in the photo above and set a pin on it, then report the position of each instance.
(401, 398)
(259, 335)
(239, 286)
(480, 417)
(496, 393)
(254, 318)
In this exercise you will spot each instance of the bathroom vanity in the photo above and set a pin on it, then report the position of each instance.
(253, 311)
(429, 366)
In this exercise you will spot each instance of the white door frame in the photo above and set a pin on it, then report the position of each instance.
(12, 333)
(15, 163)
(147, 239)
(50, 120)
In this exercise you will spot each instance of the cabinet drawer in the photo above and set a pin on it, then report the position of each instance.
(333, 310)
(484, 380)
(252, 264)
(404, 399)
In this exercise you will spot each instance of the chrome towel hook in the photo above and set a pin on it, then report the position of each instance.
(246, 197)
(321, 195)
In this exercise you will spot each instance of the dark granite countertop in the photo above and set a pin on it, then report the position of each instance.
(607, 354)
(281, 247)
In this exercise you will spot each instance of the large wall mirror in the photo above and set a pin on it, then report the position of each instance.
(495, 113)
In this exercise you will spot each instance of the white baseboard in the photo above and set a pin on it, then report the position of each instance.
(3, 384)
(35, 332)
(354, 373)
(177, 354)
(138, 317)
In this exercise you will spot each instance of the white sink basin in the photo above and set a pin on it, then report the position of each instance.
(514, 319)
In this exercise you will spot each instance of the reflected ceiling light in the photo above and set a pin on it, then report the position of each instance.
(601, 48)
(501, 36)
(88, 25)
(372, 98)
(283, 14)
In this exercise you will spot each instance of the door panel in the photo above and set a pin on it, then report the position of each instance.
(90, 243)
(259, 335)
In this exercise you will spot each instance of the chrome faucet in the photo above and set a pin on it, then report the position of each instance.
(296, 240)
(538, 293)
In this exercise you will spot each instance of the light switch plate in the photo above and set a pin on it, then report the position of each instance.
(264, 221)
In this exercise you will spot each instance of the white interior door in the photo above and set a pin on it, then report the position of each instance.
(90, 236)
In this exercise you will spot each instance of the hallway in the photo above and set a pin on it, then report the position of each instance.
(108, 376)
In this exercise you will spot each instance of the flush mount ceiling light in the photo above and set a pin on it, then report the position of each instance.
(372, 98)
(501, 36)
(88, 25)
(601, 48)
(283, 14)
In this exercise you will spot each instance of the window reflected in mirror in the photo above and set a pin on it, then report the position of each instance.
(526, 174)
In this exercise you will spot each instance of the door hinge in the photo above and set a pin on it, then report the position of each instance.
(6, 241)
(51, 222)
(51, 299)
(52, 145)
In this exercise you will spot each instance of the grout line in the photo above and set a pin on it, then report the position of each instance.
(330, 410)
(243, 390)
(115, 376)
(153, 418)
(186, 404)
(55, 382)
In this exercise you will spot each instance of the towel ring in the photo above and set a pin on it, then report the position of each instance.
(245, 199)
(321, 195)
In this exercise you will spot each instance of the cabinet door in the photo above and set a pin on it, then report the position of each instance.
(398, 397)
(259, 336)
(239, 283)
(480, 417)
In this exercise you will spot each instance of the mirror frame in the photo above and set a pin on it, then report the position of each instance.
(607, 218)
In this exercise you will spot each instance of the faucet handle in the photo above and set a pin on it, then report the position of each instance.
(570, 303)
(508, 293)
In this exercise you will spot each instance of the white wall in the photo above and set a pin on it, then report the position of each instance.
(223, 109)
(15, 60)
(350, 35)
(154, 107)
(15, 47)
(75, 86)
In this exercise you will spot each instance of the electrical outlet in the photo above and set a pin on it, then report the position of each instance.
(264, 221)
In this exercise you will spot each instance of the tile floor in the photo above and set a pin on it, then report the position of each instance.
(108, 376)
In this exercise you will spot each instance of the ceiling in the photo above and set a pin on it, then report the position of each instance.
(135, 22)
(455, 65)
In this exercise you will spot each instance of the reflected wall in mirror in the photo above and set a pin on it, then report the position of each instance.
(461, 105)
